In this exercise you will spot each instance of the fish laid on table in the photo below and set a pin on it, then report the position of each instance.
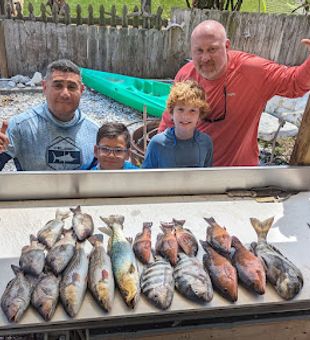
(191, 280)
(45, 295)
(142, 243)
(185, 238)
(157, 283)
(286, 278)
(249, 267)
(222, 273)
(123, 260)
(32, 258)
(61, 253)
(167, 244)
(100, 274)
(74, 281)
(17, 294)
(52, 230)
(82, 223)
(218, 237)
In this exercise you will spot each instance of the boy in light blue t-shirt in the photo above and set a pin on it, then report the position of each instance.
(112, 149)
(183, 145)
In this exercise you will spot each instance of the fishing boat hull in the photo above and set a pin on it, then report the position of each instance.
(133, 92)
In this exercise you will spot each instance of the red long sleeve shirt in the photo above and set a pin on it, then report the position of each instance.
(250, 82)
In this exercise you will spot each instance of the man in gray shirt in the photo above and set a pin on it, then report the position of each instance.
(54, 135)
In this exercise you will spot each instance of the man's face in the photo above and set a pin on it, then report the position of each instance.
(63, 91)
(209, 54)
(111, 153)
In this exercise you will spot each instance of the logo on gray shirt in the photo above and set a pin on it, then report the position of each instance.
(63, 154)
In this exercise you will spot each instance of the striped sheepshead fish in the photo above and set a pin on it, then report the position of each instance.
(191, 280)
(157, 283)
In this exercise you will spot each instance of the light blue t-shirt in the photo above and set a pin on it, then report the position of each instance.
(166, 151)
(41, 142)
(94, 165)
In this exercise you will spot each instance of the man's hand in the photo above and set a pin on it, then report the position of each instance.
(4, 140)
(306, 42)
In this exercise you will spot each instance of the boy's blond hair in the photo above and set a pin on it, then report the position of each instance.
(188, 92)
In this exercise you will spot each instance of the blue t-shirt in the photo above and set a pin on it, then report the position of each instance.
(167, 151)
(41, 142)
(95, 166)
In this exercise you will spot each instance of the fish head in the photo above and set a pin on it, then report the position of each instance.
(200, 293)
(161, 297)
(13, 310)
(130, 290)
(288, 286)
(46, 308)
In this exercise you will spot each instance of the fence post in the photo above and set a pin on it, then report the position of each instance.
(3, 61)
(2, 7)
(301, 151)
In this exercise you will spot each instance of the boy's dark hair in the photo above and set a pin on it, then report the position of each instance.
(113, 130)
(63, 65)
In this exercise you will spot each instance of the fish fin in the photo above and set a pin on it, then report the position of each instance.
(235, 242)
(62, 215)
(132, 269)
(167, 226)
(109, 221)
(76, 210)
(262, 227)
(95, 238)
(106, 230)
(33, 238)
(204, 244)
(129, 239)
(210, 221)
(16, 269)
(179, 223)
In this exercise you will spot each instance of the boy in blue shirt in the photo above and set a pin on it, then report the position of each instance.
(112, 149)
(182, 145)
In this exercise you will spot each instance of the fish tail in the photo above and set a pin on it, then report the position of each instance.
(210, 221)
(95, 238)
(167, 226)
(179, 223)
(106, 230)
(262, 227)
(62, 215)
(76, 210)
(109, 221)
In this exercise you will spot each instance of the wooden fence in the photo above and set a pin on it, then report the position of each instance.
(272, 36)
(138, 44)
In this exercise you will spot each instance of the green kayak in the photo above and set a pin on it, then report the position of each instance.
(130, 91)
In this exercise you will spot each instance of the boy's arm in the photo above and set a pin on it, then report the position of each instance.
(150, 159)
(209, 155)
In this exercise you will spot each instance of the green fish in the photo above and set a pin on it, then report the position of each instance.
(123, 260)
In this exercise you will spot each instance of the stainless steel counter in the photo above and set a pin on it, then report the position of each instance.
(290, 233)
(129, 183)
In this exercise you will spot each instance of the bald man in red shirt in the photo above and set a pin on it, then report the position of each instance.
(237, 86)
